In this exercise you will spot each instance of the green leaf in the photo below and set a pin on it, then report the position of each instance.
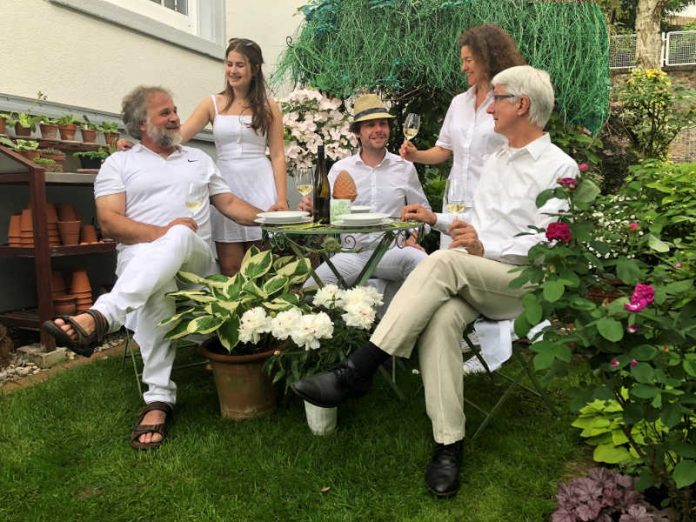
(204, 325)
(671, 415)
(679, 286)
(188, 277)
(586, 192)
(684, 473)
(177, 331)
(628, 270)
(553, 291)
(689, 365)
(610, 329)
(532, 308)
(657, 245)
(644, 352)
(228, 333)
(611, 454)
(256, 265)
(176, 317)
(644, 391)
(643, 373)
(543, 360)
(275, 284)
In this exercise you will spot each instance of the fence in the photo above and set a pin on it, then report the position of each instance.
(678, 48)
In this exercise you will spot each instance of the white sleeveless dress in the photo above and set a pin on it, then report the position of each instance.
(241, 158)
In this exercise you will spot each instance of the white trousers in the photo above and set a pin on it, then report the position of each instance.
(145, 274)
(439, 299)
(396, 264)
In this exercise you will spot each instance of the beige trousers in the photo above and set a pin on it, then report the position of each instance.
(437, 301)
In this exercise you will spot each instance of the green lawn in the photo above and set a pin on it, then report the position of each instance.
(64, 455)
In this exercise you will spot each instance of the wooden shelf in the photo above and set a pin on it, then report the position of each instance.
(52, 178)
(27, 318)
(67, 146)
(60, 251)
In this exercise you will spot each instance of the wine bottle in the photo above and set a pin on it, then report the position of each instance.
(322, 190)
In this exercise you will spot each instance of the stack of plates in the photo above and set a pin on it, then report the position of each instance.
(283, 217)
(366, 219)
(359, 209)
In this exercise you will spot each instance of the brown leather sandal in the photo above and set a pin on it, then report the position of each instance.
(141, 429)
(85, 343)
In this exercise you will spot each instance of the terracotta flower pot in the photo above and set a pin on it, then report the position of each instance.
(110, 138)
(49, 131)
(80, 282)
(15, 229)
(51, 213)
(64, 305)
(67, 132)
(26, 222)
(89, 135)
(22, 132)
(30, 154)
(57, 283)
(3, 126)
(52, 154)
(66, 212)
(88, 234)
(69, 232)
(244, 389)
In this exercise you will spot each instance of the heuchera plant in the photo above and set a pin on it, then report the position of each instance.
(639, 339)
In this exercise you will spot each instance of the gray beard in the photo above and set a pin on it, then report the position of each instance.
(163, 137)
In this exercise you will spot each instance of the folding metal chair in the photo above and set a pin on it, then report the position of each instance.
(513, 380)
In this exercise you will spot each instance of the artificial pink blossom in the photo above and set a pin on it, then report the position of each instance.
(634, 362)
(570, 183)
(614, 363)
(634, 227)
(632, 328)
(560, 231)
(642, 296)
(583, 167)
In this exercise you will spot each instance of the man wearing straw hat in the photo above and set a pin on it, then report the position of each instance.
(154, 199)
(453, 287)
(385, 183)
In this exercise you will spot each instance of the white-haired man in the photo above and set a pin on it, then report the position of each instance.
(142, 196)
(453, 287)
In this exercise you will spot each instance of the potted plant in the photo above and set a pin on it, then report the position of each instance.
(24, 123)
(27, 148)
(92, 159)
(48, 164)
(53, 154)
(217, 305)
(67, 126)
(89, 130)
(111, 134)
(49, 127)
(4, 119)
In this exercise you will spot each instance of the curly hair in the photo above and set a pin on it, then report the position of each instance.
(134, 107)
(492, 47)
(261, 115)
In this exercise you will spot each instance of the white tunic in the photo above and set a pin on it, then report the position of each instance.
(246, 169)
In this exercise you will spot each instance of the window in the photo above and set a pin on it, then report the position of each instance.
(198, 25)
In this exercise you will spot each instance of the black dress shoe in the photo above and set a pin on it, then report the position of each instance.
(329, 389)
(442, 473)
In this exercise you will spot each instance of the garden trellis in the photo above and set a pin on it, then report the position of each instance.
(409, 48)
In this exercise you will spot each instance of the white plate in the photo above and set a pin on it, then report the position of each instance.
(281, 217)
(361, 219)
(381, 222)
(359, 209)
(301, 219)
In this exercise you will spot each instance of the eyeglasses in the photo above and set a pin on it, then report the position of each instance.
(241, 41)
(498, 97)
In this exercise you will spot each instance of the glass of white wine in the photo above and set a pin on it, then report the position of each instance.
(304, 181)
(411, 125)
(193, 199)
(455, 197)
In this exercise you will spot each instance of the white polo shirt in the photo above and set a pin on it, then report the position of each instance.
(156, 188)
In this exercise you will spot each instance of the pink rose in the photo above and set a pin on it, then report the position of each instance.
(614, 363)
(634, 227)
(632, 328)
(643, 295)
(583, 167)
(634, 363)
(570, 183)
(559, 231)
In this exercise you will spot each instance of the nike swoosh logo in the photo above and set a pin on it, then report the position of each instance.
(191, 161)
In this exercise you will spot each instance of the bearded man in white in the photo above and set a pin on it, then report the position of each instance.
(142, 196)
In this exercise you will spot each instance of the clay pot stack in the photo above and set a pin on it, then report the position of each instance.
(26, 233)
(68, 224)
(88, 235)
(81, 289)
(14, 236)
(52, 225)
(63, 304)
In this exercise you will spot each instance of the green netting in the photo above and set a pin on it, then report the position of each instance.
(409, 47)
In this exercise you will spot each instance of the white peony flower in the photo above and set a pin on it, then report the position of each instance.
(329, 296)
(310, 328)
(283, 323)
(366, 295)
(254, 323)
(359, 314)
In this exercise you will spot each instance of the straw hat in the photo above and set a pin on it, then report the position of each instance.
(369, 107)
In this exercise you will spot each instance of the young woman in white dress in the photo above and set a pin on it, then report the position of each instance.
(245, 122)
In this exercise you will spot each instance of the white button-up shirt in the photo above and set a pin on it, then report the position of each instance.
(386, 187)
(505, 202)
(468, 133)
